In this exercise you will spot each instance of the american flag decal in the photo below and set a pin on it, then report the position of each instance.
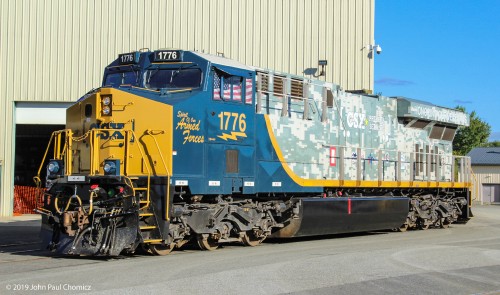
(235, 86)
(232, 88)
(249, 90)
(217, 87)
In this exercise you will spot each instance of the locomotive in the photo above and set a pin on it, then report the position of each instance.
(182, 146)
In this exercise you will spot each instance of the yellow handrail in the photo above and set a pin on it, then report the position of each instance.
(56, 137)
(148, 201)
(68, 146)
(66, 153)
(167, 201)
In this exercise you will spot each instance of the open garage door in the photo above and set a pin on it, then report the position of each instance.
(35, 123)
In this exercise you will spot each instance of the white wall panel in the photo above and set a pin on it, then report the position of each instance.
(56, 50)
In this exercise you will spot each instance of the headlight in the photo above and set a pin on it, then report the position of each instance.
(53, 167)
(106, 110)
(109, 167)
(106, 100)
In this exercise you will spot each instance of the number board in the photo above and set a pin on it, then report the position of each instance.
(128, 58)
(168, 55)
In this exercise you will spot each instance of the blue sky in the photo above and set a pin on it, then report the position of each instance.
(443, 52)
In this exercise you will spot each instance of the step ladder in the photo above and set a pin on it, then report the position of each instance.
(148, 221)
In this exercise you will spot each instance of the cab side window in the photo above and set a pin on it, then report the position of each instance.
(232, 88)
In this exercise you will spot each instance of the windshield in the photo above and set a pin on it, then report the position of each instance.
(122, 78)
(172, 78)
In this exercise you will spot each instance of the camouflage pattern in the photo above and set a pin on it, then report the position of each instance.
(365, 126)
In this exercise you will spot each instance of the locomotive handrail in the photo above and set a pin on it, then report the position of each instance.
(65, 153)
(56, 149)
(301, 81)
(304, 82)
(167, 201)
(286, 96)
(95, 159)
(128, 134)
(37, 177)
(289, 95)
(148, 201)
(428, 170)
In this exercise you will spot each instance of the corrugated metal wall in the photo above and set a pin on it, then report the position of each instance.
(484, 175)
(55, 50)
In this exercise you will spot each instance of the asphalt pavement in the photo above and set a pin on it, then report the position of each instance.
(463, 259)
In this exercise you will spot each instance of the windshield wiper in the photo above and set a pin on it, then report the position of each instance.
(176, 72)
(151, 74)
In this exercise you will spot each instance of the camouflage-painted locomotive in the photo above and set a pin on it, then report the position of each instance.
(179, 146)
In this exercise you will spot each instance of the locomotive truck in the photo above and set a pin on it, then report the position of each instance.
(182, 146)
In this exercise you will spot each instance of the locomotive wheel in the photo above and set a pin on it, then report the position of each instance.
(249, 239)
(421, 224)
(146, 249)
(207, 243)
(161, 250)
(443, 222)
(403, 228)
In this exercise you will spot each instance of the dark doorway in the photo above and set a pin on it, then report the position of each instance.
(31, 143)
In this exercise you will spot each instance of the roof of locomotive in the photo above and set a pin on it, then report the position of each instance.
(407, 107)
(423, 102)
(224, 61)
(220, 60)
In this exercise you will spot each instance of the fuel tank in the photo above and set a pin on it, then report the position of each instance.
(325, 216)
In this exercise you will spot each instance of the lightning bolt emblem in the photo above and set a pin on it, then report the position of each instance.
(233, 136)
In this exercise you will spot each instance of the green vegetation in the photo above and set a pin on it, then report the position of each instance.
(492, 144)
(475, 135)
